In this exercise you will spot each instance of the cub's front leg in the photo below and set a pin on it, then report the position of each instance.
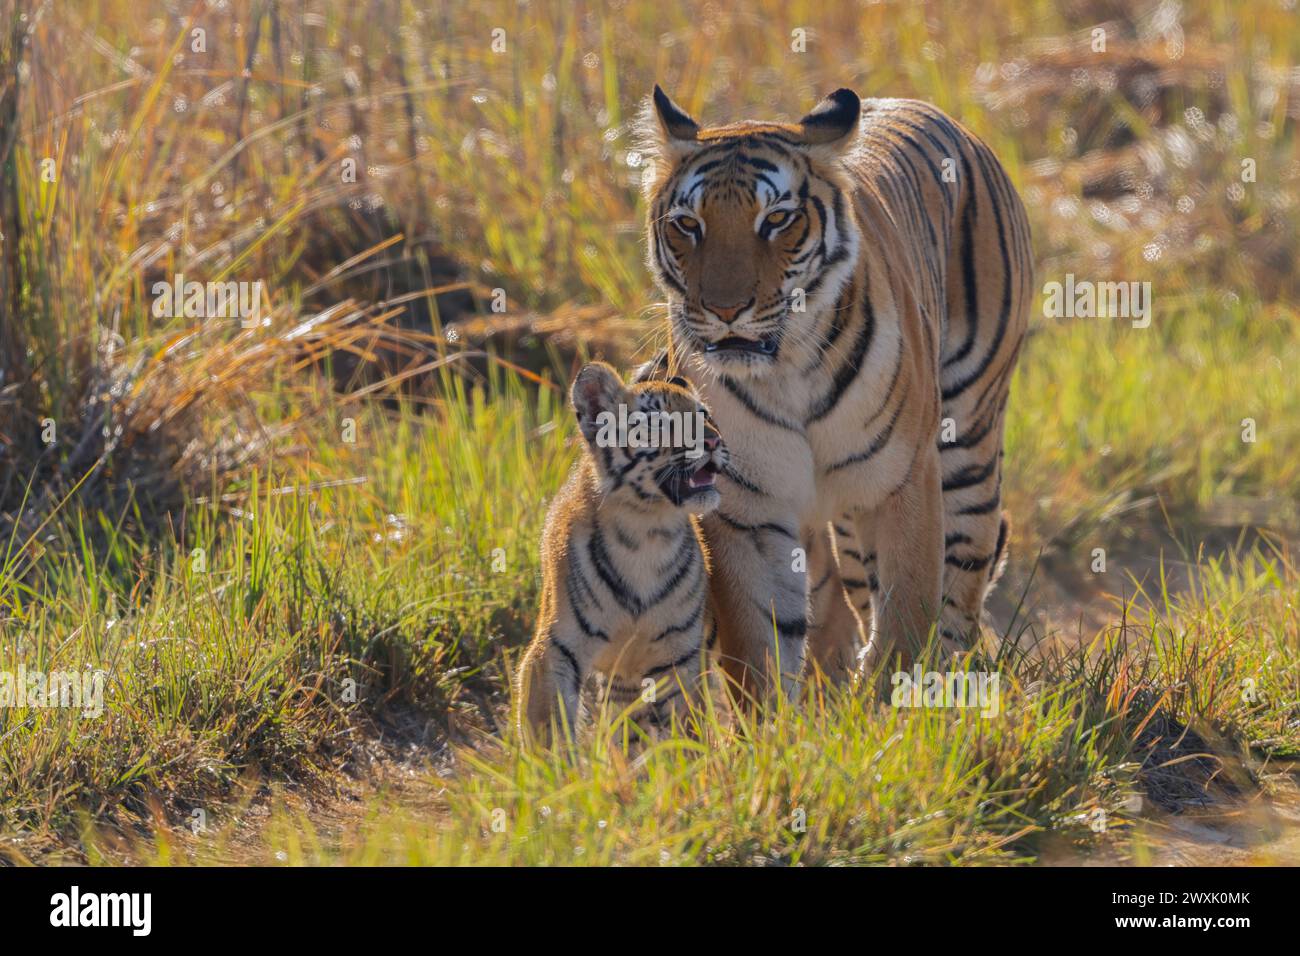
(549, 684)
(682, 683)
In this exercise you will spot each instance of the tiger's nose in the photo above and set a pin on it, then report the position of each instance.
(728, 313)
(712, 440)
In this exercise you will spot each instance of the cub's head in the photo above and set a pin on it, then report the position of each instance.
(750, 227)
(652, 442)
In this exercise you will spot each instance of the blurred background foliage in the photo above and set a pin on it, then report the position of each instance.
(490, 147)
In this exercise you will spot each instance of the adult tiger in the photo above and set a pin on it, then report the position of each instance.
(846, 292)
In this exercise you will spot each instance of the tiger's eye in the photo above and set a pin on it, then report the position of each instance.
(688, 223)
(777, 218)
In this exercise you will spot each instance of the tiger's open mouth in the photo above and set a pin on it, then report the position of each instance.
(764, 345)
(681, 485)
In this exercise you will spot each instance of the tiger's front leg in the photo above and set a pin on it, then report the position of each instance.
(834, 626)
(760, 602)
(908, 533)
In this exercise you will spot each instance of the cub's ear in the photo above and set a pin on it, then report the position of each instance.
(596, 389)
(834, 121)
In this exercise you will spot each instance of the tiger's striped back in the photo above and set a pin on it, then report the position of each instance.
(962, 218)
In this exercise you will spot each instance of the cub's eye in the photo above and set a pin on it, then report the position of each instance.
(686, 223)
(778, 218)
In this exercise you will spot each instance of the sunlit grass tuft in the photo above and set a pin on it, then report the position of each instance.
(1079, 742)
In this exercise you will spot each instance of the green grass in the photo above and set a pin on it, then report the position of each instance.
(840, 779)
(1106, 417)
(417, 582)
(401, 573)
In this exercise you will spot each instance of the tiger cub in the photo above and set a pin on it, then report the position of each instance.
(624, 567)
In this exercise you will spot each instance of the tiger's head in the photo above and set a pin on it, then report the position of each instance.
(652, 442)
(751, 231)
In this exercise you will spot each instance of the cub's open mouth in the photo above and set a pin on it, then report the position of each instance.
(683, 484)
(765, 345)
(702, 477)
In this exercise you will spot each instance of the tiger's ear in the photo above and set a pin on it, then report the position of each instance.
(670, 127)
(833, 123)
(596, 389)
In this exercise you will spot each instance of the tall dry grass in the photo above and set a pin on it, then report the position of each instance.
(427, 168)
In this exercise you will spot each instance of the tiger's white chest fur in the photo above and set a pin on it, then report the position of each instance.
(821, 463)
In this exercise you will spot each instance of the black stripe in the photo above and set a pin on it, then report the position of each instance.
(995, 383)
(730, 472)
(970, 289)
(570, 584)
(889, 393)
(605, 570)
(822, 583)
(795, 628)
(918, 187)
(573, 662)
(682, 628)
(972, 437)
(755, 528)
(872, 584)
(852, 364)
(983, 508)
(880, 442)
(674, 664)
(970, 476)
(747, 400)
(1000, 548)
(1004, 315)
(686, 559)
(968, 564)
(622, 537)
(666, 272)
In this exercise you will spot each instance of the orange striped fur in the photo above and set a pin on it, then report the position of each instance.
(849, 295)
